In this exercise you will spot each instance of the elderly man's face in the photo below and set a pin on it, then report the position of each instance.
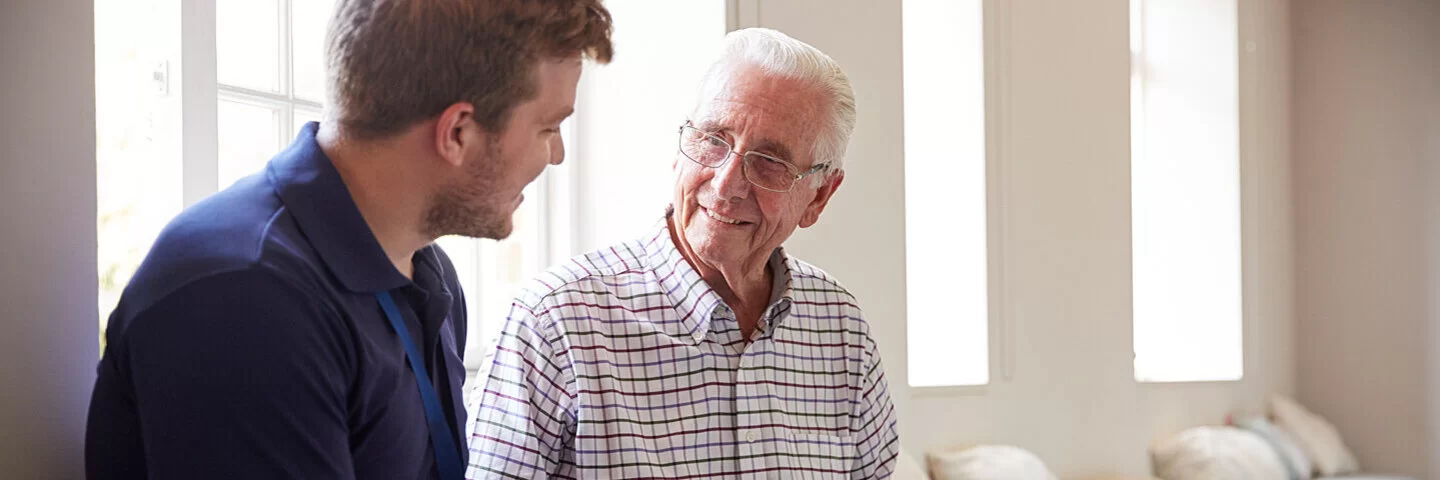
(726, 221)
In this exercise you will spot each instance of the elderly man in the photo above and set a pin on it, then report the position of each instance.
(702, 350)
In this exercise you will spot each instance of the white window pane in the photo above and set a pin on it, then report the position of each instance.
(630, 109)
(247, 43)
(1185, 192)
(497, 270)
(308, 21)
(559, 194)
(137, 136)
(464, 253)
(509, 263)
(301, 117)
(249, 137)
(945, 195)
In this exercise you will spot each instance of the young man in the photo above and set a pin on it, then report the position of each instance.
(301, 324)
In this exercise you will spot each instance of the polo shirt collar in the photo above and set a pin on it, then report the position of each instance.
(316, 196)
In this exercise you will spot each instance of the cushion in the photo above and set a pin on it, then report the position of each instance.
(1216, 453)
(1296, 463)
(987, 462)
(1316, 436)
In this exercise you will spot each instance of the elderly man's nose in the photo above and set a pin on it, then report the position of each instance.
(729, 179)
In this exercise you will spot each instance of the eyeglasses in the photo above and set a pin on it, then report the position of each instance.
(761, 170)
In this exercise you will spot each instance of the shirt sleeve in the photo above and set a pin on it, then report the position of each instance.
(524, 424)
(238, 375)
(875, 430)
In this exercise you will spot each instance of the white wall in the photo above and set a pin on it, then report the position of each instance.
(48, 331)
(1065, 139)
(1367, 83)
(1433, 240)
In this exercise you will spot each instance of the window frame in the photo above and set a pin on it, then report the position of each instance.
(1246, 187)
(999, 329)
(201, 93)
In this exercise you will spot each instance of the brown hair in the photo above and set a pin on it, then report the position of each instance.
(392, 63)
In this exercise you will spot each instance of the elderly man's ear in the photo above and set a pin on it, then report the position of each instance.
(822, 198)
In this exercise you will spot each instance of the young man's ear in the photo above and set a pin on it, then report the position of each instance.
(455, 131)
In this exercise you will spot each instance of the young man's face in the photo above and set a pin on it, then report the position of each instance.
(483, 202)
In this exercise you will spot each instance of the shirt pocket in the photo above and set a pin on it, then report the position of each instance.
(820, 456)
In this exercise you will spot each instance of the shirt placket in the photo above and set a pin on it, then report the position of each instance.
(751, 421)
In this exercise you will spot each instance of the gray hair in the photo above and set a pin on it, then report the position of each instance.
(779, 54)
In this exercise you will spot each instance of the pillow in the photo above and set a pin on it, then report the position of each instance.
(987, 462)
(1315, 435)
(1296, 463)
(1216, 453)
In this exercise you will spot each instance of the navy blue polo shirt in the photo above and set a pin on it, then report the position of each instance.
(250, 343)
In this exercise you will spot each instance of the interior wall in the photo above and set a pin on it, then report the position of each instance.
(47, 207)
(1366, 85)
(1433, 241)
(1065, 146)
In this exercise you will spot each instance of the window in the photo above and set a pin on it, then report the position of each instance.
(491, 271)
(946, 209)
(153, 151)
(270, 73)
(1185, 191)
(630, 111)
(137, 114)
(267, 80)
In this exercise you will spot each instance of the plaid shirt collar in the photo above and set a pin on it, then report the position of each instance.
(694, 300)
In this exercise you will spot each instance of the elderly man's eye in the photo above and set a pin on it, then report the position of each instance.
(715, 142)
(768, 166)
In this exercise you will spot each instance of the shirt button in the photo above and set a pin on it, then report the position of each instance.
(699, 337)
(751, 436)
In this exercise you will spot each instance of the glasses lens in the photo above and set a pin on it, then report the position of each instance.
(705, 149)
(769, 173)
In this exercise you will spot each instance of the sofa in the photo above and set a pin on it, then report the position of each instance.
(981, 462)
(1291, 443)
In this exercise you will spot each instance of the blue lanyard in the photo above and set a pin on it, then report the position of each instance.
(447, 456)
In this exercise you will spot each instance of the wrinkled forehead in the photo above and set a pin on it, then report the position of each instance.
(763, 108)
